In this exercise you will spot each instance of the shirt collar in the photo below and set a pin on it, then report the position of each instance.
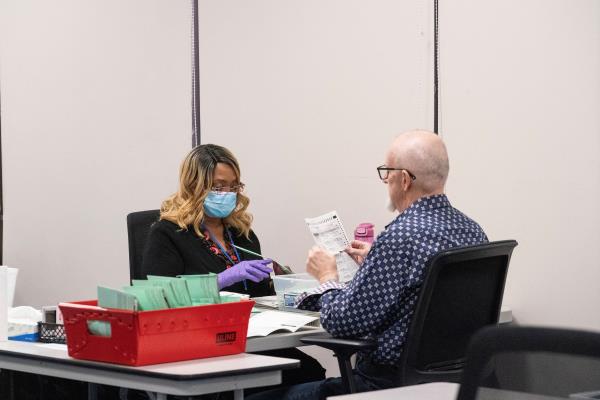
(424, 204)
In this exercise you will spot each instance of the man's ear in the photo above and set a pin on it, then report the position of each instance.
(406, 180)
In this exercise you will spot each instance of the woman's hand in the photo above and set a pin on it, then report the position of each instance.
(358, 250)
(255, 270)
(321, 264)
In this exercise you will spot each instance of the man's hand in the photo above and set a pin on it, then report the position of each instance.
(358, 250)
(321, 265)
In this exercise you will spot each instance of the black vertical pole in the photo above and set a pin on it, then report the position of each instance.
(195, 77)
(436, 66)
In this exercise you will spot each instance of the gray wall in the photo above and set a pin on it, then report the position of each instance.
(520, 114)
(95, 119)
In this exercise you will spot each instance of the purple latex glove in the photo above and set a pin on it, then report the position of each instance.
(255, 270)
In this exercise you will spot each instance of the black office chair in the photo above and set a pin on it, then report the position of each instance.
(461, 293)
(505, 362)
(138, 227)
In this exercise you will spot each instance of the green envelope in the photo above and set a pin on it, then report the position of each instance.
(115, 298)
(229, 299)
(148, 297)
(176, 290)
(203, 288)
(99, 328)
(111, 298)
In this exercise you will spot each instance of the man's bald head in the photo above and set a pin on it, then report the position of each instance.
(424, 154)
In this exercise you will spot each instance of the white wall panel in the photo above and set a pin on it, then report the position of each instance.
(95, 120)
(309, 95)
(520, 114)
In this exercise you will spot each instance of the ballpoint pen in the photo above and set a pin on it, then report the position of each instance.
(247, 251)
(278, 268)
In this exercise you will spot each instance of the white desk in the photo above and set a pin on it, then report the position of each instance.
(280, 340)
(286, 340)
(283, 340)
(185, 378)
(441, 391)
(427, 391)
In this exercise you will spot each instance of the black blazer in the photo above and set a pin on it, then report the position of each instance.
(172, 251)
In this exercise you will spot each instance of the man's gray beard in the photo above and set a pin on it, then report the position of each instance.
(389, 205)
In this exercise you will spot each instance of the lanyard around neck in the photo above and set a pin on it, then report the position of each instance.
(222, 247)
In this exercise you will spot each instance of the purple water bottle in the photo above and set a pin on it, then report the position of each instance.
(365, 232)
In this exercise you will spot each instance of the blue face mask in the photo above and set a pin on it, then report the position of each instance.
(220, 204)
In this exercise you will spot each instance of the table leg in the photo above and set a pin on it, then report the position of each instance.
(238, 394)
(11, 385)
(92, 391)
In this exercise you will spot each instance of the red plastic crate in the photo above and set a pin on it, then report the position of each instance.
(154, 337)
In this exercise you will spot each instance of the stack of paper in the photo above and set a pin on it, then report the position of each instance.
(114, 298)
(203, 288)
(161, 292)
(175, 289)
(267, 322)
(148, 297)
(111, 298)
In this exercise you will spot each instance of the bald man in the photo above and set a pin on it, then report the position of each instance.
(379, 302)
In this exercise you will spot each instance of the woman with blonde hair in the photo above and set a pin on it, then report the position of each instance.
(198, 228)
(201, 224)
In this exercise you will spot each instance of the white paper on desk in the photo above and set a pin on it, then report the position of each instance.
(267, 322)
(329, 233)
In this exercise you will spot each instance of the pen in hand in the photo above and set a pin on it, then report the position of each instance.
(278, 268)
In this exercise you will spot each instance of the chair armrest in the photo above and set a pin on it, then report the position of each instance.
(341, 347)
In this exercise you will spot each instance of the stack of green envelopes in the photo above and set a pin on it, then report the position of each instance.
(159, 293)
(203, 288)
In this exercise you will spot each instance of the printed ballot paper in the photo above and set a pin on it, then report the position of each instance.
(328, 232)
(267, 322)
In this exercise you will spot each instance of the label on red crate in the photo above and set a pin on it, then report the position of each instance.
(226, 338)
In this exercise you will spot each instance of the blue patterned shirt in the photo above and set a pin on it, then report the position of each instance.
(380, 301)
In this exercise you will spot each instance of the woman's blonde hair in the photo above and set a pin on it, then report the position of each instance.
(186, 207)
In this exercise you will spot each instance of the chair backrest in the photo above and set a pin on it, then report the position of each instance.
(525, 362)
(138, 227)
(462, 292)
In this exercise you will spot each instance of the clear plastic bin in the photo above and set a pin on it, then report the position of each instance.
(288, 287)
